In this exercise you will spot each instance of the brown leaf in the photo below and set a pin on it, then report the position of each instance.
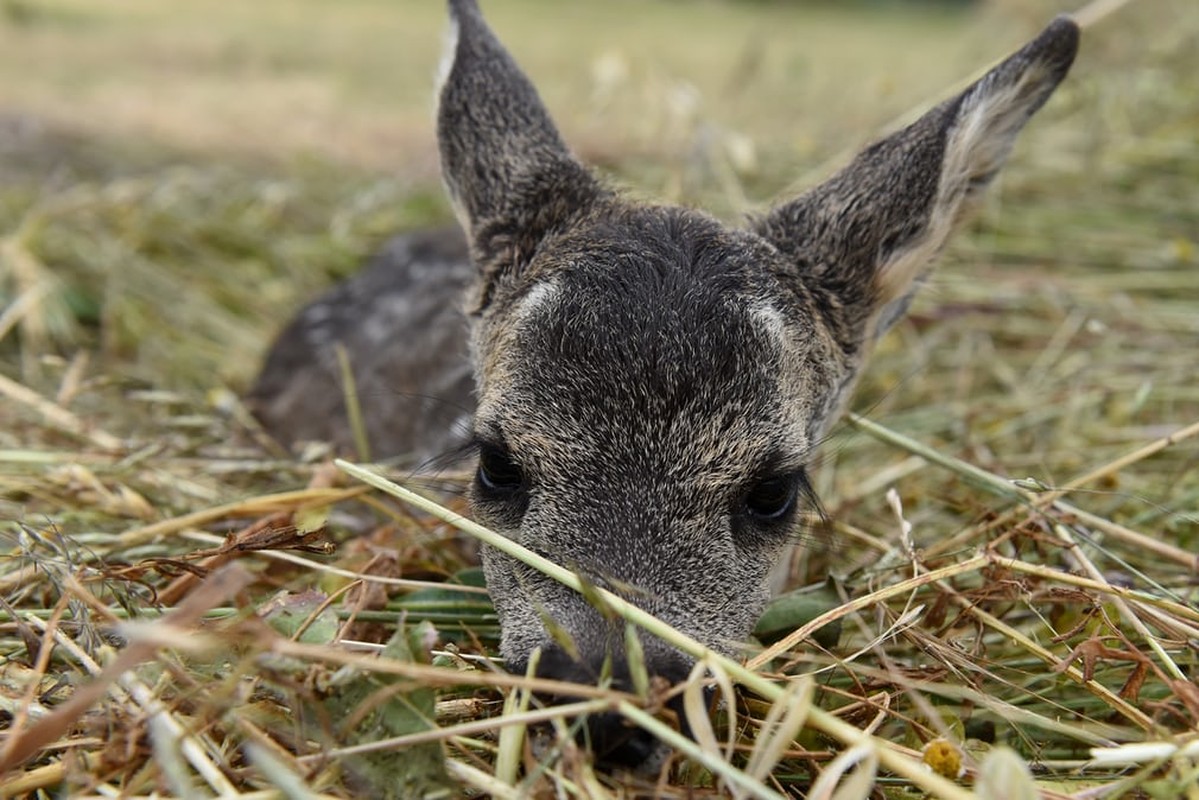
(1132, 686)
(1093, 649)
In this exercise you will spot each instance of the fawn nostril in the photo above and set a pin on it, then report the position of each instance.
(618, 743)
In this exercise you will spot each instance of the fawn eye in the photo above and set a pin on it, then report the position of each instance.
(773, 498)
(498, 473)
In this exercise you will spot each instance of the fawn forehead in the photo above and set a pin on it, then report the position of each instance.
(652, 339)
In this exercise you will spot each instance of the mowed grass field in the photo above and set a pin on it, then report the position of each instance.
(177, 178)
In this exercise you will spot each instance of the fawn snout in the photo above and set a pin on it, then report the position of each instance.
(609, 735)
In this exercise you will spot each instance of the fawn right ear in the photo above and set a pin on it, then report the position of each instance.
(510, 177)
(865, 239)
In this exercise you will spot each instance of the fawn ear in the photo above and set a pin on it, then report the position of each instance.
(510, 177)
(864, 239)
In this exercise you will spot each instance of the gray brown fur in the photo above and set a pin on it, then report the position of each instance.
(406, 303)
(645, 375)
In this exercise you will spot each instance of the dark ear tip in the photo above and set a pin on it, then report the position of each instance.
(464, 9)
(1060, 39)
(1062, 24)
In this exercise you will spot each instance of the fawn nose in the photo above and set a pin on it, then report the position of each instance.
(614, 740)
(618, 743)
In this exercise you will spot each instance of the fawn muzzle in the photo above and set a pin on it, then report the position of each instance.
(609, 735)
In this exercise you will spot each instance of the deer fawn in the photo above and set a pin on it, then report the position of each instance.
(642, 385)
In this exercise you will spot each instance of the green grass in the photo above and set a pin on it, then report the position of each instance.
(176, 178)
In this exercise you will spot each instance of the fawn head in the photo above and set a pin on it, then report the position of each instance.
(651, 383)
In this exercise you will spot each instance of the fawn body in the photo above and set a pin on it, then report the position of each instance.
(645, 384)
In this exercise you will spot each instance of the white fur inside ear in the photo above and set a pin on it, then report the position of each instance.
(981, 139)
(899, 271)
(449, 50)
(449, 53)
(987, 126)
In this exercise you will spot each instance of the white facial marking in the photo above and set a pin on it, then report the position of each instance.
(541, 295)
(770, 319)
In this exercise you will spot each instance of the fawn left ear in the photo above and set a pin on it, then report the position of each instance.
(510, 177)
(864, 239)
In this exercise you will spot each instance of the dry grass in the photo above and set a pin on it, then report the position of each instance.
(1009, 580)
